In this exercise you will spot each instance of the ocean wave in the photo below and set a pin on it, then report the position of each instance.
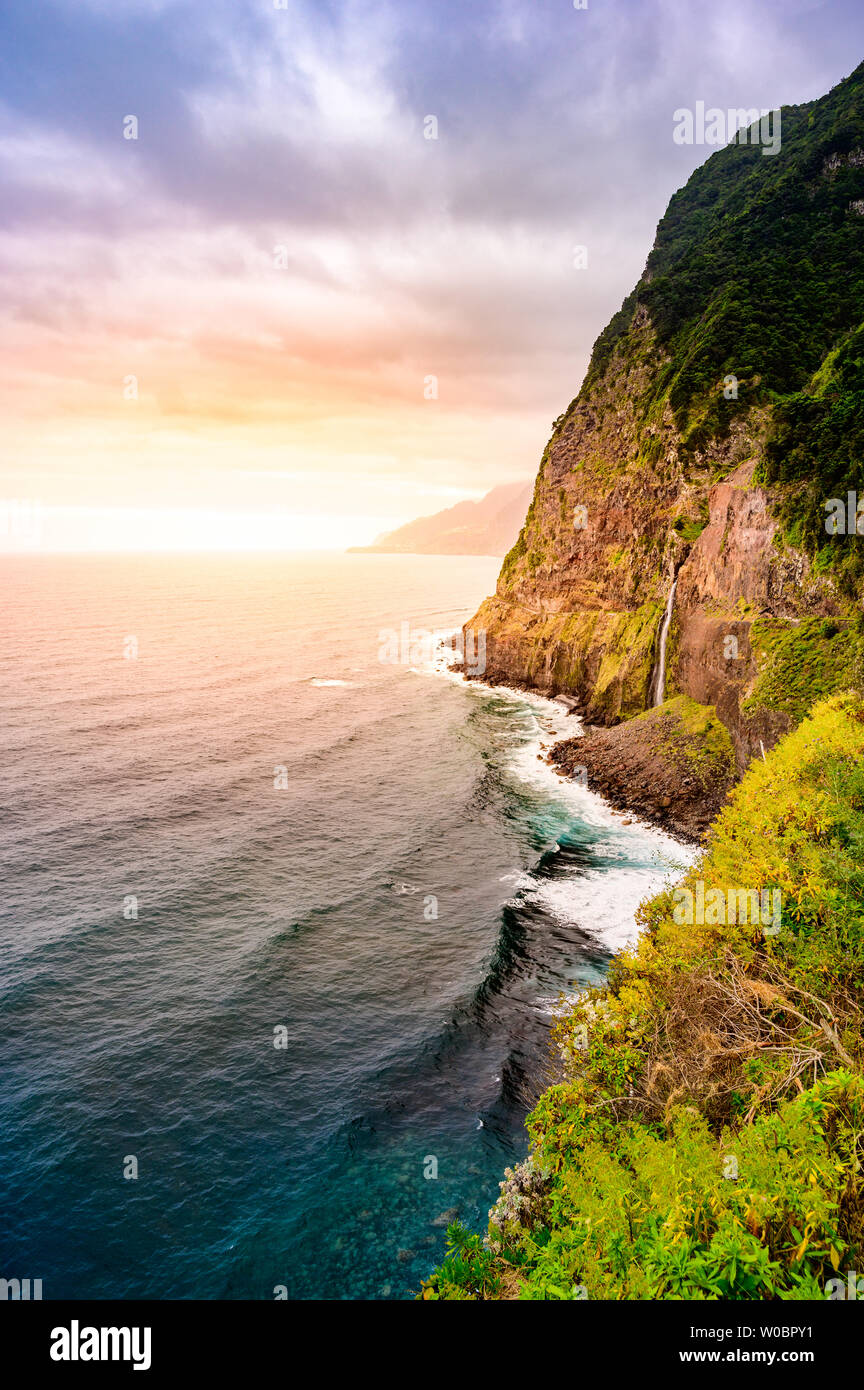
(602, 902)
(596, 866)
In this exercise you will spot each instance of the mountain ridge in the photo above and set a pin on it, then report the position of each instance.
(722, 408)
(688, 1151)
(487, 526)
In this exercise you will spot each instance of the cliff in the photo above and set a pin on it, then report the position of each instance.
(722, 409)
(704, 1141)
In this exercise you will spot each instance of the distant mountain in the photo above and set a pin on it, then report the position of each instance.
(487, 527)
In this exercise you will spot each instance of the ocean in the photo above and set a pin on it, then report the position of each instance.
(283, 925)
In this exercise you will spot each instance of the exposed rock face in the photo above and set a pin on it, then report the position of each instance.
(733, 574)
(580, 600)
(654, 470)
(580, 595)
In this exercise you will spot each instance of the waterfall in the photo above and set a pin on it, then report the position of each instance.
(659, 681)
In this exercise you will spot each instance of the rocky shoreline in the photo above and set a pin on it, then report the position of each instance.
(673, 766)
(632, 768)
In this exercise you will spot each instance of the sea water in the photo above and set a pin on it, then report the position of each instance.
(283, 925)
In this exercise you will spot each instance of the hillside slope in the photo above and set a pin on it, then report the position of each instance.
(705, 1142)
(664, 467)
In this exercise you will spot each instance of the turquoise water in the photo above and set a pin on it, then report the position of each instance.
(214, 745)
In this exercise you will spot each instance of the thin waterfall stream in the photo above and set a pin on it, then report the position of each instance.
(659, 681)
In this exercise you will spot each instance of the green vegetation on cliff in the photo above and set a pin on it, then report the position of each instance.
(706, 1139)
(661, 467)
(758, 267)
(816, 452)
(698, 743)
(802, 662)
(757, 272)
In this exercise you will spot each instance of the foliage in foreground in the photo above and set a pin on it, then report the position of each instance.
(707, 1140)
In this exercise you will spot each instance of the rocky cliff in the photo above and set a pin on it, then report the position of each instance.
(722, 409)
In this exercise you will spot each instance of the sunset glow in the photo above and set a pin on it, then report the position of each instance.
(244, 270)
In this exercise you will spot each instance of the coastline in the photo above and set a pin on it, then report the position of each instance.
(633, 768)
(655, 769)
(674, 851)
(718, 1044)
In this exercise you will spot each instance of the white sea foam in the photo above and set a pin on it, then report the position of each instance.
(601, 901)
(403, 889)
(641, 858)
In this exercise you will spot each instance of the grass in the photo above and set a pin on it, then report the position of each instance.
(706, 1141)
(693, 739)
(802, 662)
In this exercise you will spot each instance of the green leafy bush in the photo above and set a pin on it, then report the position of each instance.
(706, 1140)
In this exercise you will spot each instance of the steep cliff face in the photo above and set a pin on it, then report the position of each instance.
(724, 405)
(733, 574)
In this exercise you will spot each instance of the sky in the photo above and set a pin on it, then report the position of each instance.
(280, 274)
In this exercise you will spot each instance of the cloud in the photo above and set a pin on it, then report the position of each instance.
(399, 256)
